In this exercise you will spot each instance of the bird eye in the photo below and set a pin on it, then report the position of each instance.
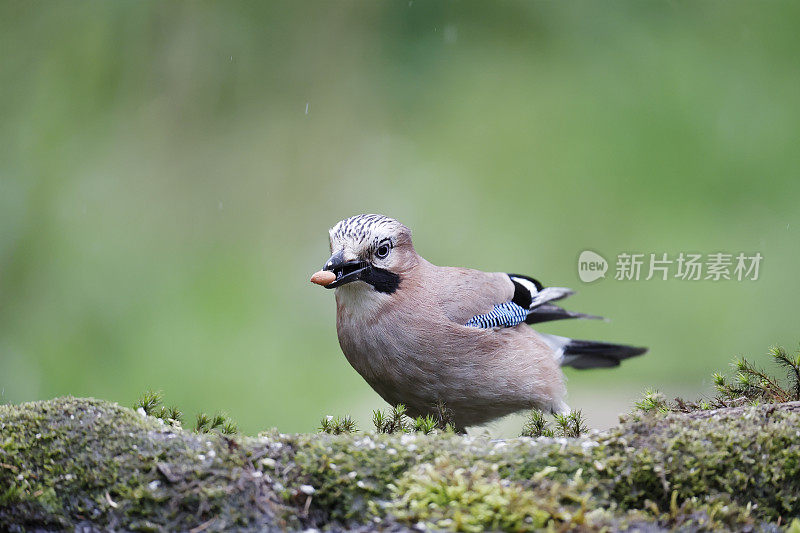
(383, 251)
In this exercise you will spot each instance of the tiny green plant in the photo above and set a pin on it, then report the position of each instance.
(571, 425)
(149, 402)
(652, 401)
(396, 421)
(219, 423)
(425, 424)
(335, 425)
(536, 425)
(750, 385)
(791, 364)
(230, 427)
(202, 423)
(379, 420)
(171, 414)
(444, 417)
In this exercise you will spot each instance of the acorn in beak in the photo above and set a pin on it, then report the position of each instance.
(323, 277)
(338, 272)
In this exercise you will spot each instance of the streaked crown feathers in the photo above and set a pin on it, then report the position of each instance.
(366, 231)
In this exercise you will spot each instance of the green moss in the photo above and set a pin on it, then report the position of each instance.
(751, 454)
(444, 495)
(70, 462)
(349, 472)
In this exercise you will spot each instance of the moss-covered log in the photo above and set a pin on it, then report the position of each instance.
(81, 462)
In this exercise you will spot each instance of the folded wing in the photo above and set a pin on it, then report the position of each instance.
(495, 300)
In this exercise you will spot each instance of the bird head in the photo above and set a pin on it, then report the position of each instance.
(372, 249)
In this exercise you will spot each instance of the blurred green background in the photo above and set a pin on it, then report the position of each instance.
(169, 172)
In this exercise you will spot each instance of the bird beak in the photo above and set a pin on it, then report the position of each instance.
(346, 271)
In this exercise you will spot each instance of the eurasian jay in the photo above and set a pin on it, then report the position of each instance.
(424, 335)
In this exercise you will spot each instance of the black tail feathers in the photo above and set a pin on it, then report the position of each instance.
(594, 354)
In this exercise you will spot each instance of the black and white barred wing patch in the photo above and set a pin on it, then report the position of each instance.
(504, 315)
(531, 304)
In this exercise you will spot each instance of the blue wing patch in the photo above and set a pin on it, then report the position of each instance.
(505, 315)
